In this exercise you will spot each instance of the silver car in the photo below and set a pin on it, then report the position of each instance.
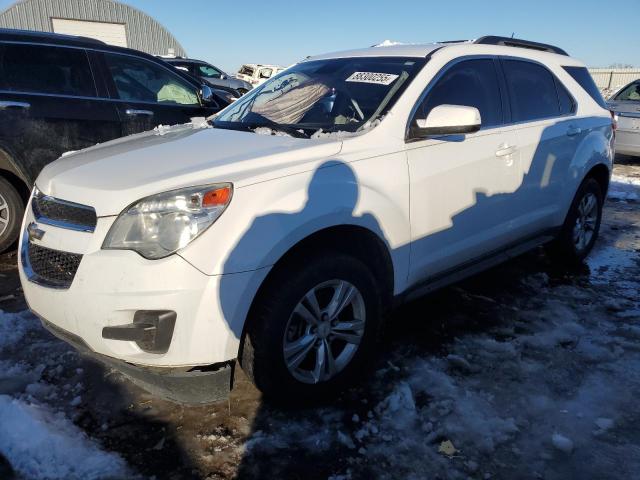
(205, 72)
(626, 105)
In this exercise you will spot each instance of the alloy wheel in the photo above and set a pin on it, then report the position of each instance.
(5, 215)
(586, 221)
(324, 331)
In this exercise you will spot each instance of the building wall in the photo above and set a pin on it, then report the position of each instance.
(143, 32)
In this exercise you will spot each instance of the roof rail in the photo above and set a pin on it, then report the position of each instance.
(518, 42)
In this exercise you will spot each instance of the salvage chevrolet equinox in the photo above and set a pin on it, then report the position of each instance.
(279, 233)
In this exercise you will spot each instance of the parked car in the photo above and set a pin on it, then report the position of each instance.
(61, 93)
(257, 74)
(205, 72)
(626, 105)
(281, 236)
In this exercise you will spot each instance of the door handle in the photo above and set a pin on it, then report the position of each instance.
(504, 150)
(132, 112)
(4, 105)
(572, 131)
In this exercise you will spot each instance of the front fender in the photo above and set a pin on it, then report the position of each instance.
(265, 220)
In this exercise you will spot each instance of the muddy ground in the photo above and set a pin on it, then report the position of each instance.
(428, 386)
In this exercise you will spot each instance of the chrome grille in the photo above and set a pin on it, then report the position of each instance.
(51, 268)
(60, 213)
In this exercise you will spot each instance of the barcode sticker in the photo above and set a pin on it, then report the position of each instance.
(372, 77)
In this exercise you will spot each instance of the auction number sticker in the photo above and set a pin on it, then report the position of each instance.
(372, 77)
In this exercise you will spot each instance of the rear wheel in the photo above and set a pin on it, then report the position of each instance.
(582, 225)
(312, 329)
(11, 213)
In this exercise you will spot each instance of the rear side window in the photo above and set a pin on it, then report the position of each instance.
(46, 69)
(472, 83)
(583, 77)
(567, 104)
(532, 91)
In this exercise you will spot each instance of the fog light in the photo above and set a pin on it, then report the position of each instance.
(152, 330)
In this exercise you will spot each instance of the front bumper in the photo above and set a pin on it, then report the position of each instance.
(111, 286)
(181, 386)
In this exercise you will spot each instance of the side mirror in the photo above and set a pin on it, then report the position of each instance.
(448, 120)
(207, 97)
(223, 76)
(206, 94)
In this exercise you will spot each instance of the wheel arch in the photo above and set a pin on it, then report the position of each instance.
(364, 244)
(600, 172)
(10, 171)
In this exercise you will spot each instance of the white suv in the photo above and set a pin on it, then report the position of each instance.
(344, 185)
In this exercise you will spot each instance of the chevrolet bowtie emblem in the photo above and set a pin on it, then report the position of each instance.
(34, 232)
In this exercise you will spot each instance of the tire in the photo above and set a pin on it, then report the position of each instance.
(11, 213)
(569, 247)
(273, 326)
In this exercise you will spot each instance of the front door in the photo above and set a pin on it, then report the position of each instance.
(462, 185)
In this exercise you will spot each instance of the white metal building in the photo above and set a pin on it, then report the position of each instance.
(107, 20)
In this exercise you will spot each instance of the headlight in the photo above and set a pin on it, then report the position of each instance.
(161, 224)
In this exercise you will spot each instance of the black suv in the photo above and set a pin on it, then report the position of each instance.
(60, 93)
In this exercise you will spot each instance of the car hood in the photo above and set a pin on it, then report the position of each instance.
(113, 175)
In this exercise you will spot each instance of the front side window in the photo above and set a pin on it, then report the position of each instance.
(208, 71)
(138, 80)
(46, 69)
(630, 92)
(532, 91)
(471, 83)
(341, 94)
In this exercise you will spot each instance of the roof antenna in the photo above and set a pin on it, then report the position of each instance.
(512, 34)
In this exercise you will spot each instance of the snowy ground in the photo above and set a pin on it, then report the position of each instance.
(525, 371)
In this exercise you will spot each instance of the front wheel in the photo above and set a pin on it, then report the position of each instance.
(312, 329)
(582, 225)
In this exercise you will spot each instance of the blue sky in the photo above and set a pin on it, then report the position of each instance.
(229, 33)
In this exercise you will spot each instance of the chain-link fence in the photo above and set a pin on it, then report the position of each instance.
(609, 80)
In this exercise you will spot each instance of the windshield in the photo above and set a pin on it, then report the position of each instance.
(328, 95)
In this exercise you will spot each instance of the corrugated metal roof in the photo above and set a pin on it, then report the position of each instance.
(143, 32)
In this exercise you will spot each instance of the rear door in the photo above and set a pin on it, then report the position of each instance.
(149, 94)
(548, 136)
(50, 104)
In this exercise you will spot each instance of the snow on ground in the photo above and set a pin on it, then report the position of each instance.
(38, 441)
(624, 188)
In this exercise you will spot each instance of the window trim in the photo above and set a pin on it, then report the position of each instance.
(574, 108)
(434, 80)
(504, 93)
(96, 90)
